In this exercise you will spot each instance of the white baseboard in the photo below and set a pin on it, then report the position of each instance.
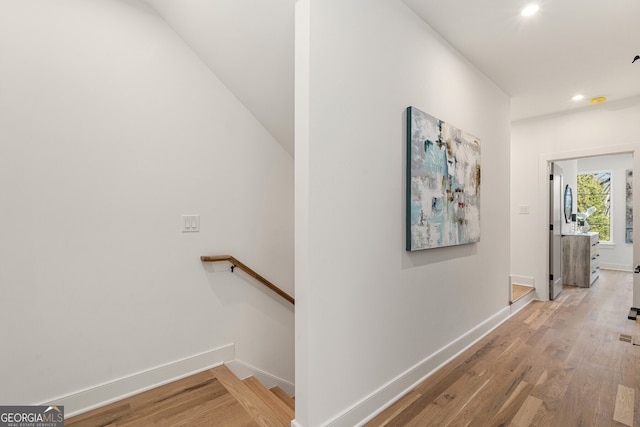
(523, 280)
(619, 267)
(243, 370)
(376, 402)
(104, 394)
(521, 303)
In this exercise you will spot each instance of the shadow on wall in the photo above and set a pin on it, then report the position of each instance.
(437, 255)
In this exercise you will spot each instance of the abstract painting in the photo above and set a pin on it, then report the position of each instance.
(443, 183)
(628, 232)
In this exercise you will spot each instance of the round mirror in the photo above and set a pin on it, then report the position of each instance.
(568, 203)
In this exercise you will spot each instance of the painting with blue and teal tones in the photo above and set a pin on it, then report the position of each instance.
(443, 183)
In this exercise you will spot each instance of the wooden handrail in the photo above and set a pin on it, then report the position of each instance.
(235, 263)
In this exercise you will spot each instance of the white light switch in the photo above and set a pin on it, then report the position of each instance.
(524, 209)
(190, 223)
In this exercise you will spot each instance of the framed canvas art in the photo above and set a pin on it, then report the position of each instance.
(443, 184)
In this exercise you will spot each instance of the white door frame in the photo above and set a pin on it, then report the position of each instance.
(556, 218)
(545, 160)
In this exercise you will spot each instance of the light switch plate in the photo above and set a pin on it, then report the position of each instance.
(190, 223)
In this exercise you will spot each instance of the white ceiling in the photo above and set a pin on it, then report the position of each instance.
(569, 47)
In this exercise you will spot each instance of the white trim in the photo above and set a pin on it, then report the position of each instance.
(618, 267)
(385, 396)
(521, 303)
(112, 391)
(544, 160)
(523, 280)
(607, 245)
(243, 370)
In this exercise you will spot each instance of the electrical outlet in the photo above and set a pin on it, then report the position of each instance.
(190, 223)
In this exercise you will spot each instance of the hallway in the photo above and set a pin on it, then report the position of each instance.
(559, 363)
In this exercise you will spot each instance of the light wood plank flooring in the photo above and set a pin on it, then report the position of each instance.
(518, 291)
(558, 363)
(215, 397)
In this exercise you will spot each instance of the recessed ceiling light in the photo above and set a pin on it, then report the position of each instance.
(530, 9)
(598, 100)
(578, 97)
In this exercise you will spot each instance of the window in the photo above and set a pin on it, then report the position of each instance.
(594, 190)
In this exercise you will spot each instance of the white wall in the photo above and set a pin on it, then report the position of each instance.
(617, 254)
(593, 131)
(249, 46)
(110, 129)
(371, 318)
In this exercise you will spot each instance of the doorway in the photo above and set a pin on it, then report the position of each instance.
(617, 253)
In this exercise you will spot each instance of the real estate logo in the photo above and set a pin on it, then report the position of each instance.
(31, 416)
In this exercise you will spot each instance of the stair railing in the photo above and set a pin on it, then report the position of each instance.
(235, 263)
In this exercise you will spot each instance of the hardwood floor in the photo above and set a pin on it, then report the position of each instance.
(559, 363)
(562, 363)
(214, 397)
(518, 291)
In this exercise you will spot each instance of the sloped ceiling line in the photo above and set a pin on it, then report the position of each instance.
(249, 46)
